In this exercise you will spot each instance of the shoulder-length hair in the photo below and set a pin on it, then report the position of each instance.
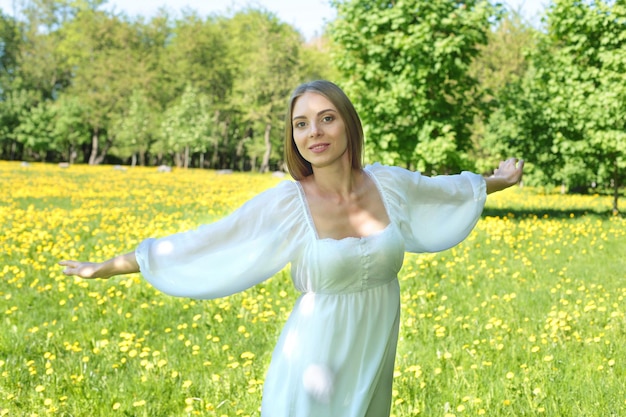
(298, 167)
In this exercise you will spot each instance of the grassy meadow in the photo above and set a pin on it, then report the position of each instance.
(524, 318)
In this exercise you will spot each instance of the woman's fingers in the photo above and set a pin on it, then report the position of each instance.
(82, 269)
(511, 168)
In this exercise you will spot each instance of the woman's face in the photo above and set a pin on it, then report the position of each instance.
(319, 131)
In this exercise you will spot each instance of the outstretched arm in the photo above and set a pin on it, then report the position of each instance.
(508, 173)
(120, 265)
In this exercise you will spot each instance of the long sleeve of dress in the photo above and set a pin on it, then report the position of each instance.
(228, 256)
(433, 213)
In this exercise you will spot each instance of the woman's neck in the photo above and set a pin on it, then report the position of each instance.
(336, 181)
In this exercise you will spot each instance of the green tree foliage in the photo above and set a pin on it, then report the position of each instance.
(9, 103)
(9, 50)
(197, 54)
(502, 62)
(265, 53)
(70, 131)
(187, 126)
(101, 51)
(14, 105)
(567, 113)
(35, 129)
(197, 62)
(406, 65)
(80, 83)
(43, 68)
(134, 129)
(122, 82)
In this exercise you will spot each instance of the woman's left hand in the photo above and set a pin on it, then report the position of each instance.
(508, 173)
(510, 170)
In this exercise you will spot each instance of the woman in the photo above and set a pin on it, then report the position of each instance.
(344, 228)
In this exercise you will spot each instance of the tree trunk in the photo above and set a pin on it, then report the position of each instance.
(615, 187)
(103, 154)
(238, 160)
(186, 161)
(214, 156)
(14, 151)
(94, 147)
(265, 164)
(221, 160)
(71, 156)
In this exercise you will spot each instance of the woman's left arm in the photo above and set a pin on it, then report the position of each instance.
(508, 173)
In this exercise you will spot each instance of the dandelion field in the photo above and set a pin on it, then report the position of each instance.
(524, 318)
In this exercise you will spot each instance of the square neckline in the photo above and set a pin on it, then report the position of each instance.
(309, 217)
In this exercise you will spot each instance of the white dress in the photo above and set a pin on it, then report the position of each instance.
(335, 355)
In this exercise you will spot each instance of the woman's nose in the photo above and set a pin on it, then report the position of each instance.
(314, 130)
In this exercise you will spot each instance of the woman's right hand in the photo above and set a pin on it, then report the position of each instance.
(87, 270)
(122, 264)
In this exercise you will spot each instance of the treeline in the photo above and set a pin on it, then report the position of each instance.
(82, 84)
(440, 85)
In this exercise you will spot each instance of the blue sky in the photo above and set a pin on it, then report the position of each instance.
(308, 16)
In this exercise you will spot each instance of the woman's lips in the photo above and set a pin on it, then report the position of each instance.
(320, 147)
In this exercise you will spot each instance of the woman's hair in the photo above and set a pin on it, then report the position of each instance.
(300, 168)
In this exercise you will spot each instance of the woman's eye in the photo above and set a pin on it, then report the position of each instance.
(299, 124)
(328, 119)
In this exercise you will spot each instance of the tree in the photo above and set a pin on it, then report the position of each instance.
(9, 50)
(102, 51)
(187, 126)
(567, 114)
(196, 57)
(406, 67)
(134, 128)
(43, 67)
(502, 62)
(314, 61)
(265, 53)
(591, 37)
(78, 82)
(70, 132)
(197, 54)
(14, 105)
(35, 130)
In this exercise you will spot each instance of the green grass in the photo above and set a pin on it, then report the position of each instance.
(524, 318)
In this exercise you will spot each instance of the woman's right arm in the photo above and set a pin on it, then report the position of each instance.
(120, 265)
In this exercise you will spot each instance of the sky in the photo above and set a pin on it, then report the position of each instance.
(308, 16)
